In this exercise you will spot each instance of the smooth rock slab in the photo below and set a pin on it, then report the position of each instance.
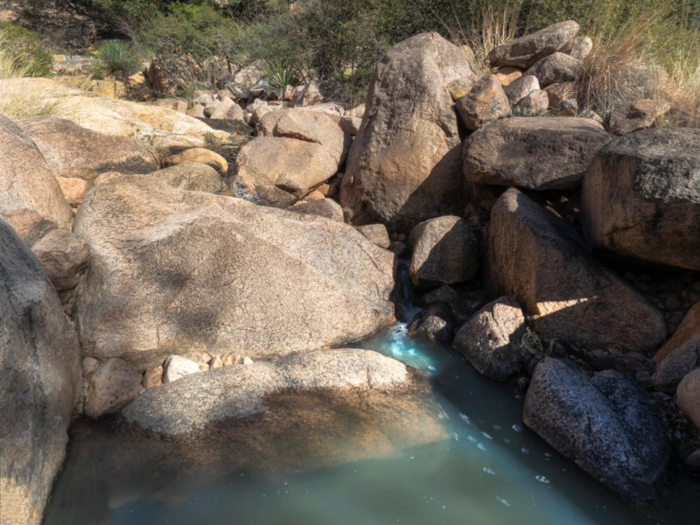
(541, 262)
(537, 153)
(603, 424)
(237, 392)
(641, 197)
(40, 381)
(182, 273)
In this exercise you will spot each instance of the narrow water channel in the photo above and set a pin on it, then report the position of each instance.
(489, 470)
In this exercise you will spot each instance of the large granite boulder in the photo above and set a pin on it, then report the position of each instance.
(403, 167)
(26, 183)
(525, 51)
(604, 424)
(39, 384)
(641, 197)
(179, 273)
(537, 153)
(540, 261)
(296, 151)
(492, 339)
(445, 251)
(162, 127)
(75, 152)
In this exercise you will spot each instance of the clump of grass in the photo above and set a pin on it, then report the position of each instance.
(117, 59)
(280, 74)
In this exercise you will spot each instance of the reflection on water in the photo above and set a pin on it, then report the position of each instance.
(488, 470)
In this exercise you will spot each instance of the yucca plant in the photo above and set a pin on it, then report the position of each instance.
(116, 58)
(280, 74)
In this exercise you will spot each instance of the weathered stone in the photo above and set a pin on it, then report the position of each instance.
(555, 69)
(558, 93)
(111, 387)
(484, 103)
(225, 108)
(163, 127)
(191, 176)
(403, 167)
(327, 208)
(376, 233)
(540, 261)
(445, 251)
(536, 153)
(40, 380)
(519, 89)
(28, 224)
(74, 189)
(196, 111)
(443, 294)
(237, 392)
(688, 330)
(202, 156)
(308, 95)
(176, 104)
(334, 110)
(508, 74)
(688, 396)
(534, 104)
(525, 51)
(64, 257)
(579, 48)
(350, 125)
(677, 365)
(435, 323)
(176, 367)
(25, 180)
(603, 424)
(634, 116)
(460, 87)
(73, 151)
(641, 197)
(153, 377)
(567, 108)
(492, 339)
(180, 273)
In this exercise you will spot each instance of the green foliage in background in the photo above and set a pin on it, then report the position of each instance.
(22, 46)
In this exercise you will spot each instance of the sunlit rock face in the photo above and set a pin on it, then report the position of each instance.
(180, 273)
(540, 261)
(307, 412)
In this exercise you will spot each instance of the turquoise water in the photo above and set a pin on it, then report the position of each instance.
(489, 470)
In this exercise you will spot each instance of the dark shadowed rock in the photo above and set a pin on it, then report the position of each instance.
(403, 167)
(677, 365)
(73, 151)
(556, 69)
(39, 384)
(603, 424)
(485, 102)
(64, 257)
(191, 176)
(327, 208)
(641, 197)
(445, 251)
(492, 339)
(540, 261)
(26, 183)
(525, 51)
(688, 396)
(180, 273)
(435, 323)
(688, 330)
(537, 153)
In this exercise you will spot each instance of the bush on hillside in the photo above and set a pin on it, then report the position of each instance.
(22, 52)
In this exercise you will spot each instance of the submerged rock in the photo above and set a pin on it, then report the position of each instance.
(492, 339)
(540, 261)
(26, 183)
(604, 424)
(39, 384)
(641, 197)
(181, 273)
(403, 167)
(536, 153)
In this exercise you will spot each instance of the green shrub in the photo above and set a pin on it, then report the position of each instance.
(22, 47)
(117, 59)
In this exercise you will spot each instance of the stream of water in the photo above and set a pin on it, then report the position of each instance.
(490, 470)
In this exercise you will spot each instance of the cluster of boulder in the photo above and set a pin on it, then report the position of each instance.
(186, 292)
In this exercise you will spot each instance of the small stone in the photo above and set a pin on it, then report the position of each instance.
(176, 367)
(111, 387)
(216, 362)
(153, 377)
(508, 74)
(247, 361)
(90, 364)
